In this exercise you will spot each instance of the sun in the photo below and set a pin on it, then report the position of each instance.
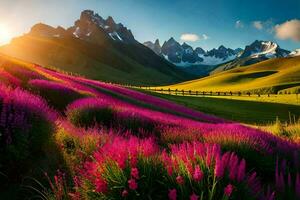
(5, 35)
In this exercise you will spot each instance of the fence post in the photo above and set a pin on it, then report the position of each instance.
(196, 93)
(182, 92)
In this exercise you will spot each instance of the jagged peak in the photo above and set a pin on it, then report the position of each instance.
(221, 47)
(172, 40)
(186, 46)
(157, 42)
(110, 21)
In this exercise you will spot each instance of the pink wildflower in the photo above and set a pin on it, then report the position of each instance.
(241, 171)
(233, 166)
(101, 185)
(132, 184)
(172, 194)
(194, 197)
(228, 190)
(198, 174)
(219, 168)
(135, 173)
(180, 180)
(124, 193)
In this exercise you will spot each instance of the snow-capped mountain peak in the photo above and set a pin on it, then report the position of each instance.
(266, 49)
(88, 20)
(90, 27)
(185, 55)
(294, 53)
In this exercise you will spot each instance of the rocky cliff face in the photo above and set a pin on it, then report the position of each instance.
(184, 55)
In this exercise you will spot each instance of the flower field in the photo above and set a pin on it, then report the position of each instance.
(86, 139)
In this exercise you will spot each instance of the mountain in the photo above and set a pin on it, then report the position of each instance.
(294, 53)
(154, 46)
(90, 26)
(200, 62)
(97, 48)
(238, 51)
(185, 56)
(255, 52)
(265, 49)
(269, 76)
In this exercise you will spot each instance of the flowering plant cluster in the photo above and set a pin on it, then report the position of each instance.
(118, 143)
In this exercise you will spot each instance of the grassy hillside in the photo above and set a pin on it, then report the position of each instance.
(68, 137)
(269, 76)
(244, 111)
(128, 64)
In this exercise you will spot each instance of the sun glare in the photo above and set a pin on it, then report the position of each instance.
(5, 35)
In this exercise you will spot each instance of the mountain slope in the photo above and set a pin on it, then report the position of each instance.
(185, 56)
(96, 48)
(256, 52)
(268, 76)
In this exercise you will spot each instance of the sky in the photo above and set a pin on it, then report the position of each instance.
(202, 23)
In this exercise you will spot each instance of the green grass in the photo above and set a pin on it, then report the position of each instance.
(292, 99)
(135, 65)
(249, 112)
(269, 76)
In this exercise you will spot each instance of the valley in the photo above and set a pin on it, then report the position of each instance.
(279, 75)
(91, 109)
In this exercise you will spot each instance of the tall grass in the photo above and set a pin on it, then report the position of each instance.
(289, 130)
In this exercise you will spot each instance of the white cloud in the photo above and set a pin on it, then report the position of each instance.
(190, 37)
(288, 30)
(205, 37)
(239, 24)
(258, 25)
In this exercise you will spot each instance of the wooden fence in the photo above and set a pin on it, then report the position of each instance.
(202, 93)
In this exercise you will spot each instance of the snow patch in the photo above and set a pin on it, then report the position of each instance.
(112, 36)
(88, 34)
(77, 32)
(115, 36)
(212, 60)
(207, 60)
(269, 50)
(294, 53)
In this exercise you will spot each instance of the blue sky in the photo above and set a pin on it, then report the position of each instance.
(233, 23)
